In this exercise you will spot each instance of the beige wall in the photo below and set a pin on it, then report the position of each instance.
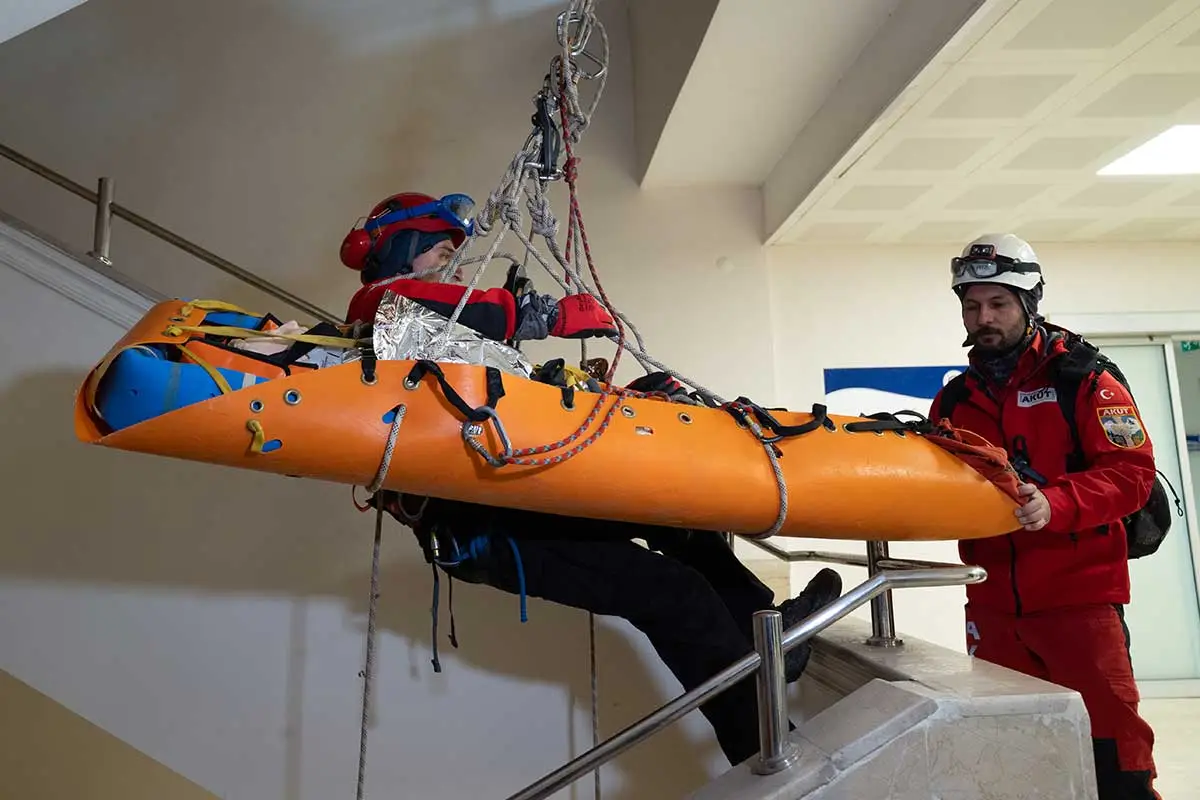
(49, 753)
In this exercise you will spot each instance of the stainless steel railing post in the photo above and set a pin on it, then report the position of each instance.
(883, 621)
(102, 233)
(776, 752)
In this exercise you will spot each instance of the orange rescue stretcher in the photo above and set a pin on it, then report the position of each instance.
(173, 386)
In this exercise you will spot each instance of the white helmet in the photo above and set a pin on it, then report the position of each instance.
(997, 258)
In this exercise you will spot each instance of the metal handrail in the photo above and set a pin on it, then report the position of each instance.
(641, 730)
(883, 621)
(849, 559)
(106, 209)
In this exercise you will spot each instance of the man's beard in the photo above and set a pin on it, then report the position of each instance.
(1000, 345)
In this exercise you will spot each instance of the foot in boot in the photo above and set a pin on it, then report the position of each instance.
(823, 589)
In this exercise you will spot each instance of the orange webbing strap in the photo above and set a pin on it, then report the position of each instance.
(984, 457)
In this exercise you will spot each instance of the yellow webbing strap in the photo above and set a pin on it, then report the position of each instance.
(214, 305)
(260, 436)
(246, 333)
(212, 371)
(574, 375)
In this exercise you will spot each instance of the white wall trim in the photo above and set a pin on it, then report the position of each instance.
(1129, 322)
(63, 272)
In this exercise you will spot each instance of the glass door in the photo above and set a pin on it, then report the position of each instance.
(1164, 615)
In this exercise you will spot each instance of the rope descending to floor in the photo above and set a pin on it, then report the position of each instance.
(369, 668)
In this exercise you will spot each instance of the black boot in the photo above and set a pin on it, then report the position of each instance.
(823, 589)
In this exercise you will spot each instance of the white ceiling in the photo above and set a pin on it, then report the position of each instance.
(771, 93)
(1010, 135)
(763, 70)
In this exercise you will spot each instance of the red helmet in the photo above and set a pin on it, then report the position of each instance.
(407, 211)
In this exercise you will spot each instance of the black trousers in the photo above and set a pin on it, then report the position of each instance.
(690, 595)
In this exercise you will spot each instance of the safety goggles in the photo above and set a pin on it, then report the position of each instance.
(453, 208)
(988, 267)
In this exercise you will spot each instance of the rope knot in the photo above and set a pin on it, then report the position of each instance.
(571, 169)
(542, 216)
(511, 213)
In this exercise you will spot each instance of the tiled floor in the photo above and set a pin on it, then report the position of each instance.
(1176, 726)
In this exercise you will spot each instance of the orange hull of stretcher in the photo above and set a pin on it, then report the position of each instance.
(658, 463)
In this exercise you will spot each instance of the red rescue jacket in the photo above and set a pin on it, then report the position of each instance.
(1080, 557)
(491, 313)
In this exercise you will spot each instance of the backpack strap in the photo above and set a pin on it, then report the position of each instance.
(1083, 361)
(954, 392)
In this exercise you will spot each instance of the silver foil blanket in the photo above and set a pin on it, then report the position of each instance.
(405, 329)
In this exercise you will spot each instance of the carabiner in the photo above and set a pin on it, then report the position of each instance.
(468, 436)
(584, 23)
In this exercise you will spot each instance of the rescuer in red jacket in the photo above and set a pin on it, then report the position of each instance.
(1052, 605)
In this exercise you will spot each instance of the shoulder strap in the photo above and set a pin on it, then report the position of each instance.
(1069, 372)
(1083, 361)
(955, 391)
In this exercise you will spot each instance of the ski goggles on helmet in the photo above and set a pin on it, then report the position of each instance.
(986, 268)
(984, 262)
(453, 208)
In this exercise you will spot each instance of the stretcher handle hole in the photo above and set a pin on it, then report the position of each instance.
(846, 427)
(569, 405)
(291, 397)
(628, 411)
(410, 384)
(685, 418)
(256, 406)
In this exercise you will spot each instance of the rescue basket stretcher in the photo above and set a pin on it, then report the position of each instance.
(168, 388)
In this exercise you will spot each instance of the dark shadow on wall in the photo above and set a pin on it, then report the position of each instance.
(90, 515)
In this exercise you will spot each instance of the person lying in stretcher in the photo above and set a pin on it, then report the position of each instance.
(687, 591)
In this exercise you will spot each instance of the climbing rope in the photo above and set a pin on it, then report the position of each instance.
(385, 463)
(595, 698)
(369, 668)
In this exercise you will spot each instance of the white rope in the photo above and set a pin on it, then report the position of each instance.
(386, 462)
(595, 698)
(369, 668)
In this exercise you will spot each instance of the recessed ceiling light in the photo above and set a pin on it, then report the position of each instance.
(1175, 151)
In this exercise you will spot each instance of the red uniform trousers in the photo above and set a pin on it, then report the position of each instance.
(1084, 648)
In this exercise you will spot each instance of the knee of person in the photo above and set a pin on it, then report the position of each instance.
(690, 589)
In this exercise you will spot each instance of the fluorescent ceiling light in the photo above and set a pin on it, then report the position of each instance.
(1175, 151)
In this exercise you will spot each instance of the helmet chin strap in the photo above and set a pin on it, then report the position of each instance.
(406, 268)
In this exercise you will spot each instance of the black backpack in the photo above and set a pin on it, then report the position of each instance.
(1145, 528)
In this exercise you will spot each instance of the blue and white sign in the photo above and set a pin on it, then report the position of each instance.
(854, 391)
